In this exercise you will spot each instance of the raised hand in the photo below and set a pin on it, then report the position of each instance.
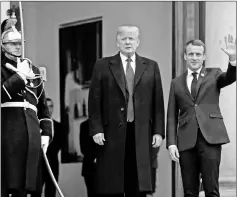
(23, 67)
(229, 47)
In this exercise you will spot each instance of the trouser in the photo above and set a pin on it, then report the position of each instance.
(89, 181)
(203, 159)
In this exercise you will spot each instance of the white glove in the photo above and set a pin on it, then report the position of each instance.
(45, 142)
(23, 67)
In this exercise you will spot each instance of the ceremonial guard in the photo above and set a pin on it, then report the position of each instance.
(26, 127)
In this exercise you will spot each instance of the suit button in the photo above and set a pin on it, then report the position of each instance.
(122, 109)
(195, 105)
(120, 124)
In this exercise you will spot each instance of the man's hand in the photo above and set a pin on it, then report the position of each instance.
(156, 141)
(229, 47)
(45, 142)
(174, 153)
(23, 67)
(99, 138)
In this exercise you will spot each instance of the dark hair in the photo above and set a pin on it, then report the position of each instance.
(195, 43)
(49, 99)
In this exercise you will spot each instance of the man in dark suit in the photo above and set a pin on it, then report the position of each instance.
(52, 155)
(195, 127)
(88, 164)
(126, 115)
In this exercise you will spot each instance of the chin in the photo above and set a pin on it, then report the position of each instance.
(196, 67)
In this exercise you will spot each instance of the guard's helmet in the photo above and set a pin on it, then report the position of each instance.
(10, 34)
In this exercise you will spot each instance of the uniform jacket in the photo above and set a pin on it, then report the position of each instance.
(21, 129)
(186, 114)
(108, 98)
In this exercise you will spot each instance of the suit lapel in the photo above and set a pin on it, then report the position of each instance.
(185, 85)
(200, 79)
(117, 70)
(140, 68)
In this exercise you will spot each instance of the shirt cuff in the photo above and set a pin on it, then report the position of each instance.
(233, 63)
(171, 146)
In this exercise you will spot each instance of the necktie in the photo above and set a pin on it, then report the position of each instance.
(194, 85)
(130, 84)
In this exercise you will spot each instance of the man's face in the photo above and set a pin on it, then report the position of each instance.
(194, 57)
(127, 41)
(14, 48)
(50, 106)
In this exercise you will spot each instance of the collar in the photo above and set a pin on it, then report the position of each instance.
(197, 71)
(124, 58)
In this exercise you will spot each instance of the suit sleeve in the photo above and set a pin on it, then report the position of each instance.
(172, 118)
(10, 87)
(95, 101)
(43, 115)
(158, 116)
(226, 78)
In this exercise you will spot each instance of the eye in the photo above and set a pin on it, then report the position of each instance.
(190, 54)
(198, 54)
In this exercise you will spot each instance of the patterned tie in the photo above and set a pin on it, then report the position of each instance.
(194, 85)
(130, 84)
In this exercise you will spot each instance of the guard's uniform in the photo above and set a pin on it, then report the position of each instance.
(24, 118)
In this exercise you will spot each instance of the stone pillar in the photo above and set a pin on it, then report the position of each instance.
(188, 24)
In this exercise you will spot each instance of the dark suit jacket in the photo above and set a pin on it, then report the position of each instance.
(108, 97)
(185, 114)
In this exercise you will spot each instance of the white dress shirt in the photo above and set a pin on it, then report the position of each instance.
(190, 77)
(124, 62)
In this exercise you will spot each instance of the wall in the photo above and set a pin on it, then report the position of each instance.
(221, 20)
(42, 21)
(4, 6)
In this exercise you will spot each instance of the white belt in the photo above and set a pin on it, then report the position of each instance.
(24, 104)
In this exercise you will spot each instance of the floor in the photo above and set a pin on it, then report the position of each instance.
(227, 188)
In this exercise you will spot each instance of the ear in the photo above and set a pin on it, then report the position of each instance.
(204, 56)
(185, 56)
(117, 43)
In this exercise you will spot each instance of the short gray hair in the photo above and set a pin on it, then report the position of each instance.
(121, 29)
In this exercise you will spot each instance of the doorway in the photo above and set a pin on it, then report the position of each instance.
(80, 45)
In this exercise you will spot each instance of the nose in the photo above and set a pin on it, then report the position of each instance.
(127, 41)
(18, 45)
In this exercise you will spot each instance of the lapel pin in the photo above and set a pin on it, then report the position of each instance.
(202, 74)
